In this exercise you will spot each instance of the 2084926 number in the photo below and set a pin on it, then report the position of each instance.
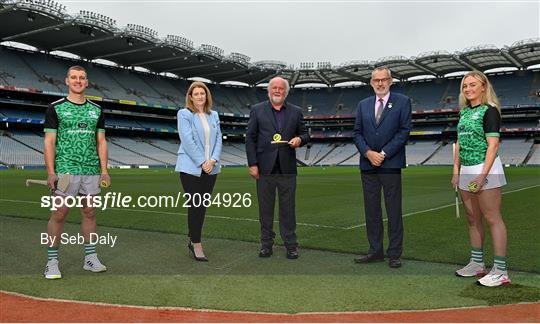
(234, 200)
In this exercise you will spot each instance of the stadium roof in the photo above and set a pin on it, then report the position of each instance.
(47, 26)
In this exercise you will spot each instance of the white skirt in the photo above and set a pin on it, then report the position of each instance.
(494, 179)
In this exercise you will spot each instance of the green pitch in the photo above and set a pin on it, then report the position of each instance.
(150, 260)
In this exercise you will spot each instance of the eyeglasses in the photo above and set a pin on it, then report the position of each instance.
(380, 80)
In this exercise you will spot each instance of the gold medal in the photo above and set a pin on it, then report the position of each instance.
(276, 137)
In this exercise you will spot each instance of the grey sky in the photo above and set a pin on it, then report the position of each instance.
(335, 31)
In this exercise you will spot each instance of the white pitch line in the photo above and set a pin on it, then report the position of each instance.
(256, 220)
(440, 207)
(222, 217)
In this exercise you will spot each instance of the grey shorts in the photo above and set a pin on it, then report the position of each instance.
(81, 185)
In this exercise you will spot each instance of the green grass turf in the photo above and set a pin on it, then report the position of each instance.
(154, 269)
(329, 210)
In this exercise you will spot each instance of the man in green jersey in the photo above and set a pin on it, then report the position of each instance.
(75, 144)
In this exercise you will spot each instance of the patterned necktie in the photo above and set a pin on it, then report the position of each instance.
(379, 111)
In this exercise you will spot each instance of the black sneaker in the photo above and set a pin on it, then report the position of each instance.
(292, 253)
(265, 252)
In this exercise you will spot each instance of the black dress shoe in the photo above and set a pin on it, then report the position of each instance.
(265, 252)
(369, 258)
(201, 259)
(292, 253)
(394, 263)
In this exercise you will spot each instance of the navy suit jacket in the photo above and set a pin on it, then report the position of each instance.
(261, 128)
(390, 135)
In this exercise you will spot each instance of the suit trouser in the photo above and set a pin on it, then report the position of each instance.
(390, 183)
(197, 185)
(285, 184)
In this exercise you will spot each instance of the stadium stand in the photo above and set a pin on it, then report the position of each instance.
(340, 153)
(519, 124)
(349, 98)
(171, 92)
(302, 153)
(225, 100)
(420, 151)
(122, 122)
(16, 72)
(535, 155)
(17, 113)
(15, 152)
(106, 80)
(441, 156)
(145, 150)
(450, 97)
(26, 148)
(352, 160)
(170, 146)
(231, 155)
(154, 124)
(426, 94)
(513, 151)
(125, 151)
(318, 152)
(318, 101)
(49, 71)
(509, 94)
(45, 72)
(134, 86)
(29, 139)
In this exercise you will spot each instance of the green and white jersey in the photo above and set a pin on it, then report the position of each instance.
(76, 126)
(475, 124)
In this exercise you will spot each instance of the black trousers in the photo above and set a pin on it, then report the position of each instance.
(197, 185)
(390, 183)
(285, 184)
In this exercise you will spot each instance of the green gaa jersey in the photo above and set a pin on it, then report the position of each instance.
(475, 124)
(75, 126)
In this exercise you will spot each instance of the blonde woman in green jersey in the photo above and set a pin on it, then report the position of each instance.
(479, 174)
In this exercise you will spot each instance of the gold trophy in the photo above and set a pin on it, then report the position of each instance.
(276, 139)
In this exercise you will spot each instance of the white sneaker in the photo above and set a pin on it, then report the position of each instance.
(495, 278)
(473, 269)
(92, 263)
(52, 271)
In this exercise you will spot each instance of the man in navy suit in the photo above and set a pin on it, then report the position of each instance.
(381, 131)
(274, 164)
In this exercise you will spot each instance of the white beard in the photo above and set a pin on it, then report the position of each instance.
(276, 100)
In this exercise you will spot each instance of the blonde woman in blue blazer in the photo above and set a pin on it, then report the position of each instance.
(198, 157)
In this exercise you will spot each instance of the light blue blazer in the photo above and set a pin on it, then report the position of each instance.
(191, 151)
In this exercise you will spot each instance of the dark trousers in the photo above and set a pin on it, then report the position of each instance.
(390, 183)
(285, 184)
(197, 185)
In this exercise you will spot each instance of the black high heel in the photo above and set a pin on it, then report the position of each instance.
(190, 248)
